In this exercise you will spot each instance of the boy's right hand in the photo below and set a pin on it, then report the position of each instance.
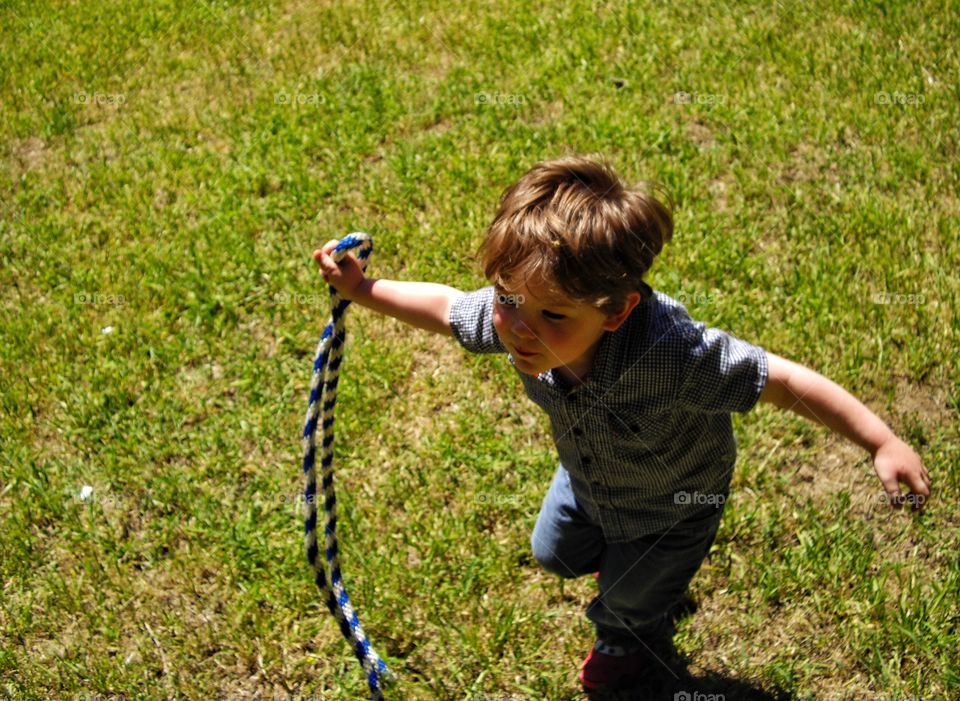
(345, 277)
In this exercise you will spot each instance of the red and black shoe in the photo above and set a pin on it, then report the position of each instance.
(613, 668)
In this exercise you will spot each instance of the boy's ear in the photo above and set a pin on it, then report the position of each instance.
(615, 321)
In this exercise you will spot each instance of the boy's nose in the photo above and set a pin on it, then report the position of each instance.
(521, 330)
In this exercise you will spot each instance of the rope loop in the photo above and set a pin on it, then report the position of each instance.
(323, 400)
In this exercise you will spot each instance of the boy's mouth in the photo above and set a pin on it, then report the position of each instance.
(522, 353)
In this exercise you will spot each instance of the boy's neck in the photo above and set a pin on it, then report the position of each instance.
(576, 373)
(569, 377)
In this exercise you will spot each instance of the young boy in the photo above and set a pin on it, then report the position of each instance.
(639, 395)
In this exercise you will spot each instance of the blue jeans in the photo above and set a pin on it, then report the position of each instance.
(640, 580)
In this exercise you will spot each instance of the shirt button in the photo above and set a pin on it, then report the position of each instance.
(577, 431)
(586, 459)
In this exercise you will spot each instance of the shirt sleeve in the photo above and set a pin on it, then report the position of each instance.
(471, 319)
(721, 373)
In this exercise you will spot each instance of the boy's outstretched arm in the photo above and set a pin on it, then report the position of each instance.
(425, 305)
(810, 394)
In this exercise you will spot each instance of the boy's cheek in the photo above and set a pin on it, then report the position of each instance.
(499, 323)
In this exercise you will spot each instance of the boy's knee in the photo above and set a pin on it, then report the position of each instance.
(552, 562)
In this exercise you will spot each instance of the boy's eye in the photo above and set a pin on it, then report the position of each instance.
(554, 315)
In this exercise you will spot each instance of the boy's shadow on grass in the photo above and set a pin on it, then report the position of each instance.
(667, 678)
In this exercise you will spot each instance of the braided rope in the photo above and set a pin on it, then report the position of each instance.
(323, 393)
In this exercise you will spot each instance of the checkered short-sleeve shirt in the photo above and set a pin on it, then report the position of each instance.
(647, 438)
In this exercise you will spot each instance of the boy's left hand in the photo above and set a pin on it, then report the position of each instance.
(896, 462)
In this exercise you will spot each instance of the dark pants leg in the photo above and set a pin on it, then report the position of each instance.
(565, 541)
(640, 580)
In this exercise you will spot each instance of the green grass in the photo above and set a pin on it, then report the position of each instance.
(168, 168)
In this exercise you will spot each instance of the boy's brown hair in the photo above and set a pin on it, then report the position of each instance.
(573, 225)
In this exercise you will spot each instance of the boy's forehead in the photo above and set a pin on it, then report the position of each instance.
(540, 291)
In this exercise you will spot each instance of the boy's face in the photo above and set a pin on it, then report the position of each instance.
(544, 330)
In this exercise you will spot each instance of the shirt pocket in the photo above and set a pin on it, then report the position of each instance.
(640, 440)
(632, 426)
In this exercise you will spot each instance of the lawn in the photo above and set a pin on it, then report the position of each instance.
(168, 168)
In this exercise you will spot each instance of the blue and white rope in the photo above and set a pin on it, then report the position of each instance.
(323, 396)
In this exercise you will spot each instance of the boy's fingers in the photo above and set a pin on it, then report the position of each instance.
(330, 245)
(327, 266)
(325, 250)
(892, 487)
(920, 491)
